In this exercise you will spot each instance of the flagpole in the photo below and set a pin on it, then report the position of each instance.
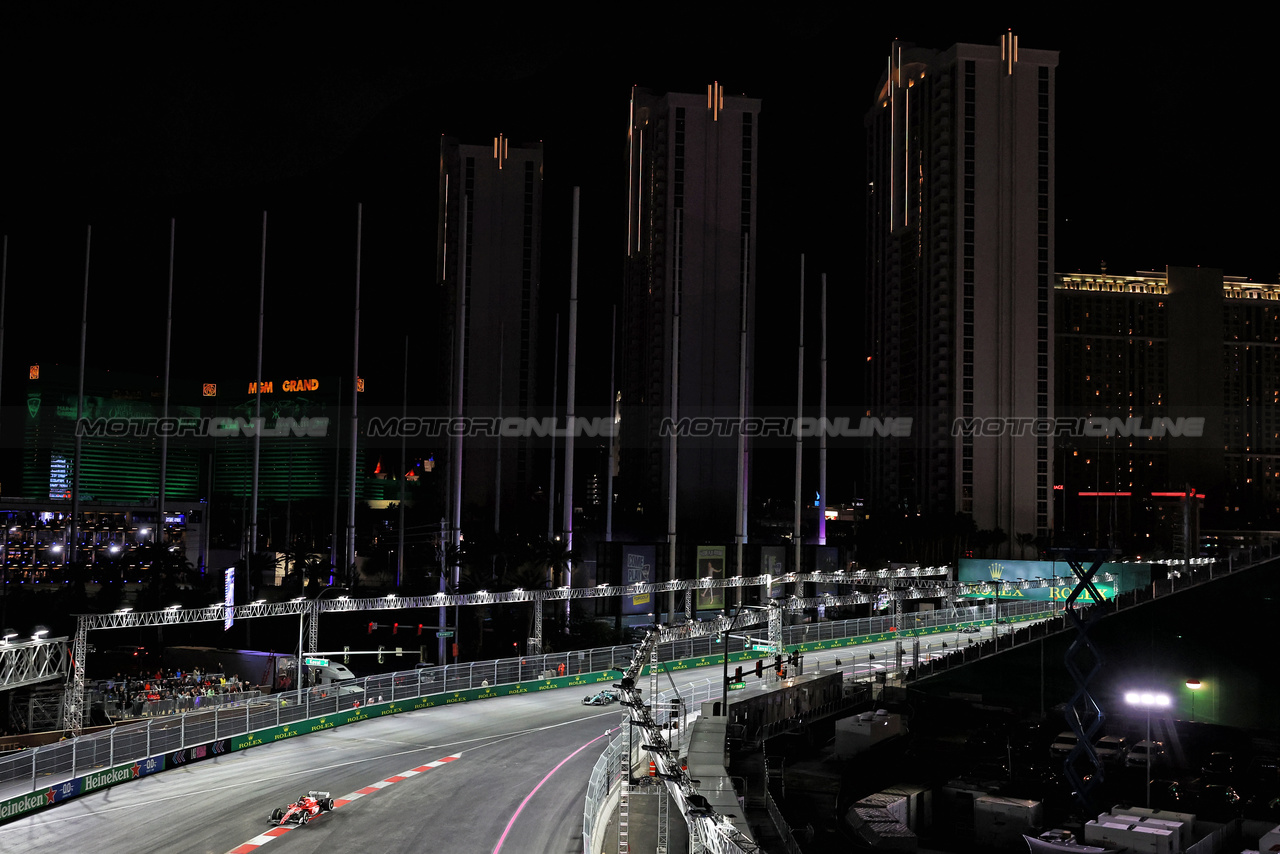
(257, 407)
(164, 412)
(72, 546)
(570, 391)
(799, 415)
(355, 418)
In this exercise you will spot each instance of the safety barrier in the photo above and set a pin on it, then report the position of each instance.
(602, 793)
(194, 735)
(58, 763)
(606, 778)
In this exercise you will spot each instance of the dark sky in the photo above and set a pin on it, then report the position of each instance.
(123, 119)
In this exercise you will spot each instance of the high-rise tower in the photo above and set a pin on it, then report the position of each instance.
(488, 266)
(689, 283)
(960, 230)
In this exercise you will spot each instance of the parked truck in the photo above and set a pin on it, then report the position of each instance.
(268, 671)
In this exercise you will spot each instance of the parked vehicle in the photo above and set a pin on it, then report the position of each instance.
(1138, 754)
(1112, 749)
(1029, 738)
(1219, 766)
(268, 671)
(1164, 795)
(1210, 801)
(1063, 744)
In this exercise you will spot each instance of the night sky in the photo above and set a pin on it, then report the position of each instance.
(125, 119)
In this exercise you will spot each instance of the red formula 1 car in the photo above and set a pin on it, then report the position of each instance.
(303, 810)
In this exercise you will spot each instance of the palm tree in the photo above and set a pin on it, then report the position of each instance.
(1024, 540)
(556, 557)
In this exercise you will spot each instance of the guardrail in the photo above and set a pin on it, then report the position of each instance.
(789, 843)
(602, 790)
(52, 764)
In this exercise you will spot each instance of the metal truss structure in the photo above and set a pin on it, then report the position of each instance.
(1084, 714)
(914, 583)
(708, 830)
(32, 661)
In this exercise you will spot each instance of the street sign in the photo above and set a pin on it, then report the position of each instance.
(737, 686)
(759, 647)
(444, 634)
(316, 662)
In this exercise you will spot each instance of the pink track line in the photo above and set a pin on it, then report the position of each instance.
(516, 814)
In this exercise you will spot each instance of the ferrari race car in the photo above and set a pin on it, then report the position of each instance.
(307, 807)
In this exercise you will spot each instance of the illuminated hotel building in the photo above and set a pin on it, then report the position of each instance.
(299, 459)
(960, 242)
(690, 251)
(1187, 343)
(500, 267)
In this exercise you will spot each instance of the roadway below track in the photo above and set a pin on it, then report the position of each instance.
(517, 786)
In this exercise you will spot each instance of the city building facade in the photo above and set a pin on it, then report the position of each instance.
(960, 248)
(1167, 386)
(688, 313)
(488, 255)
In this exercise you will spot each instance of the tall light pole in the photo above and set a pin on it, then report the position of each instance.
(315, 614)
(1147, 701)
(1195, 685)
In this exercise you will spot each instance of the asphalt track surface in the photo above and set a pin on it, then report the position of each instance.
(516, 787)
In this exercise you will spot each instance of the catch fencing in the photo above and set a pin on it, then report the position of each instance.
(48, 765)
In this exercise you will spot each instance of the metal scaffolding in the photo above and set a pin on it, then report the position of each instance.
(918, 582)
(32, 661)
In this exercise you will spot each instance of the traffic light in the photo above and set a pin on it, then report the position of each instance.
(419, 629)
(372, 627)
(777, 664)
(793, 659)
(395, 627)
(737, 674)
(760, 668)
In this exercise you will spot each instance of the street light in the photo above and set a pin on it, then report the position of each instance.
(1195, 685)
(1147, 701)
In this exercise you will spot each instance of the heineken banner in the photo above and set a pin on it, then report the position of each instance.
(710, 565)
(637, 568)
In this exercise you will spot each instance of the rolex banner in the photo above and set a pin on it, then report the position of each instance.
(996, 573)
